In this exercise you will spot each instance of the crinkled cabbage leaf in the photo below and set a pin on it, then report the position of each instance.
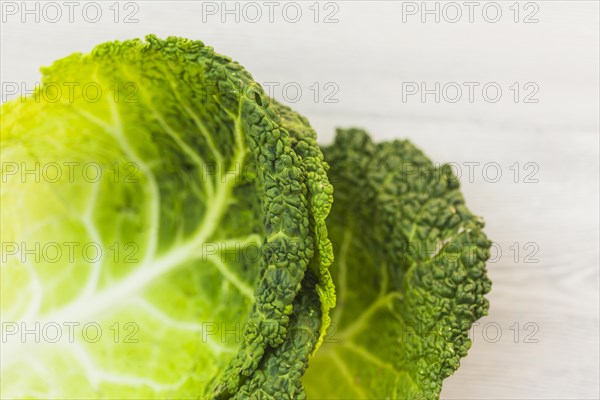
(165, 234)
(402, 234)
(188, 208)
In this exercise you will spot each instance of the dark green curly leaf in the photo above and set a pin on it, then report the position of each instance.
(409, 272)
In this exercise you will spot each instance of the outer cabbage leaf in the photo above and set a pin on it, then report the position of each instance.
(205, 216)
(280, 371)
(282, 366)
(409, 272)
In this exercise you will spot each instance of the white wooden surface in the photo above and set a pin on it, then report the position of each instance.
(368, 54)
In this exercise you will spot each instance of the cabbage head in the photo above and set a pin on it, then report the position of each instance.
(168, 231)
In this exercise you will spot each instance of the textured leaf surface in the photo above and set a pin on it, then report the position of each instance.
(198, 177)
(409, 272)
(209, 203)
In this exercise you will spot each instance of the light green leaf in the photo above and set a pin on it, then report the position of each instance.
(200, 207)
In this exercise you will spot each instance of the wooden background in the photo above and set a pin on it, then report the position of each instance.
(541, 339)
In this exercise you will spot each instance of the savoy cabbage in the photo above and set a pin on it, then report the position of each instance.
(221, 252)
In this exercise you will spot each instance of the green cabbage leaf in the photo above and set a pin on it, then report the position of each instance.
(169, 231)
(205, 200)
(402, 234)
